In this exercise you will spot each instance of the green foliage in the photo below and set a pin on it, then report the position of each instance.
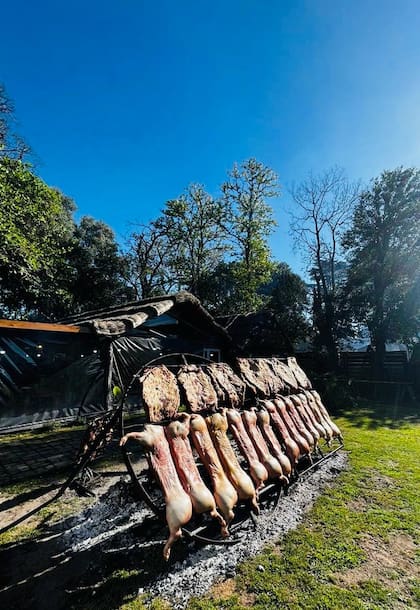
(215, 248)
(384, 250)
(289, 300)
(35, 229)
(96, 267)
(249, 222)
(192, 225)
(12, 145)
(147, 270)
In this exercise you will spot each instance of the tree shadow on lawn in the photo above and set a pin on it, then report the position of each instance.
(370, 414)
(25, 496)
(47, 572)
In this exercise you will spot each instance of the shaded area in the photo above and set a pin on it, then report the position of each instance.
(39, 573)
(104, 556)
(372, 415)
(28, 456)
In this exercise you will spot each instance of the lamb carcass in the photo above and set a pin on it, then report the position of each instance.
(292, 448)
(263, 418)
(160, 393)
(224, 492)
(218, 425)
(322, 430)
(305, 419)
(315, 410)
(201, 497)
(257, 470)
(177, 501)
(272, 464)
(230, 389)
(297, 420)
(299, 373)
(336, 430)
(199, 392)
(301, 441)
(256, 374)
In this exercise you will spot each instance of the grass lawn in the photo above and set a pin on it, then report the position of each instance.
(358, 548)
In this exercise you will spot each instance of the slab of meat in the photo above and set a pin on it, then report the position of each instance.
(292, 448)
(275, 382)
(218, 426)
(297, 420)
(336, 430)
(300, 440)
(256, 374)
(313, 406)
(263, 418)
(299, 373)
(306, 421)
(257, 470)
(160, 393)
(199, 392)
(224, 492)
(273, 466)
(201, 497)
(177, 501)
(230, 389)
(322, 430)
(281, 369)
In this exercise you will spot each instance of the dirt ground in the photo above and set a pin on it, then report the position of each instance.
(75, 557)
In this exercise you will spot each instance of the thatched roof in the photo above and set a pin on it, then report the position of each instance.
(120, 319)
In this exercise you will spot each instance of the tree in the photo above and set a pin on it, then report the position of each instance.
(12, 145)
(323, 206)
(35, 229)
(97, 267)
(249, 222)
(384, 249)
(221, 290)
(148, 256)
(192, 224)
(289, 302)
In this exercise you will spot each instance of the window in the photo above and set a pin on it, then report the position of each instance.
(212, 353)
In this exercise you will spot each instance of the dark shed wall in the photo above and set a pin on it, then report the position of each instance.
(44, 375)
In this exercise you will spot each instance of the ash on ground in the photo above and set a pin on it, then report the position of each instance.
(118, 525)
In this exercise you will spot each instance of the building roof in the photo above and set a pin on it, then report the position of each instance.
(120, 319)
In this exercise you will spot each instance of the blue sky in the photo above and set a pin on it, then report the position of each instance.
(126, 103)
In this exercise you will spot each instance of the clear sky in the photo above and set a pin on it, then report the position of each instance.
(127, 102)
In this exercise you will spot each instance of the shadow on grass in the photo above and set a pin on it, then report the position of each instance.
(46, 572)
(370, 414)
(33, 494)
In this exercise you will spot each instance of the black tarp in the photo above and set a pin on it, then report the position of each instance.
(45, 375)
(48, 375)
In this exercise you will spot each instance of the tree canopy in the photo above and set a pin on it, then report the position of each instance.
(35, 230)
(322, 212)
(383, 245)
(249, 222)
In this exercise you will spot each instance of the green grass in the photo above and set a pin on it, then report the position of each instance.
(50, 430)
(357, 549)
